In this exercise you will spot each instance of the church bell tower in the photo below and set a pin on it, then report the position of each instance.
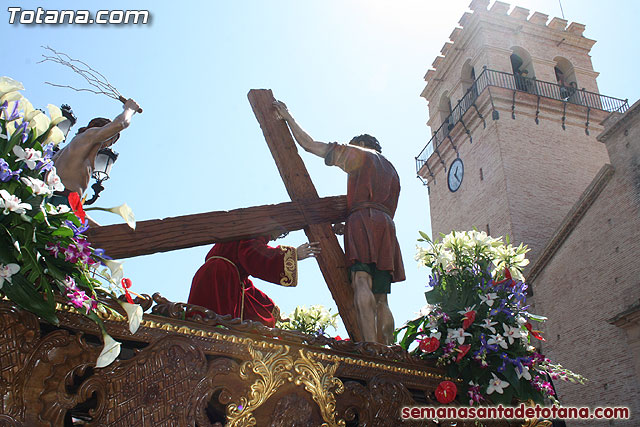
(514, 110)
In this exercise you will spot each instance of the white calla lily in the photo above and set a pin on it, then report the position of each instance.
(9, 89)
(10, 97)
(7, 84)
(54, 112)
(117, 272)
(123, 210)
(110, 351)
(134, 314)
(55, 135)
(40, 122)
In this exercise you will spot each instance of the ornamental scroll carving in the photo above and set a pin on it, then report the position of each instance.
(274, 368)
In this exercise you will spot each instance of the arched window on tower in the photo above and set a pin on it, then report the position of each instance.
(566, 78)
(444, 108)
(523, 72)
(468, 80)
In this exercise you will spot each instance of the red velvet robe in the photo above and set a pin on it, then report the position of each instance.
(218, 284)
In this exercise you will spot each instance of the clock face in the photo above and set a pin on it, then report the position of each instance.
(456, 173)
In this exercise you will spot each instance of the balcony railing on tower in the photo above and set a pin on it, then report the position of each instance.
(505, 80)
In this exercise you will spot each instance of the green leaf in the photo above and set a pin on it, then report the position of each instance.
(39, 217)
(425, 236)
(433, 296)
(536, 317)
(23, 293)
(63, 232)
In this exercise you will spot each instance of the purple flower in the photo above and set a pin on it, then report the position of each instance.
(53, 248)
(475, 396)
(82, 245)
(44, 166)
(15, 114)
(24, 132)
(7, 174)
(100, 256)
(484, 346)
(70, 254)
(448, 348)
(47, 151)
(70, 283)
(433, 281)
(77, 230)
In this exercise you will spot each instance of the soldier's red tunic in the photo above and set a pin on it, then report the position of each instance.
(373, 187)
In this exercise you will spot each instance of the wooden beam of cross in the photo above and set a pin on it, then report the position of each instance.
(187, 231)
(296, 179)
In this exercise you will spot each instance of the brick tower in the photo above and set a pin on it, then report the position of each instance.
(514, 111)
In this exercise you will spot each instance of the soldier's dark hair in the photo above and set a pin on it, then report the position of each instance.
(368, 140)
(98, 122)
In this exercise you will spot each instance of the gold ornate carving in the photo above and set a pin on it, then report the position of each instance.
(273, 369)
(319, 381)
(289, 277)
(534, 422)
(322, 356)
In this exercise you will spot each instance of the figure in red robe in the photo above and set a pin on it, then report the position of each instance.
(222, 284)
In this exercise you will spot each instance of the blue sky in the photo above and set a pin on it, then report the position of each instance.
(342, 67)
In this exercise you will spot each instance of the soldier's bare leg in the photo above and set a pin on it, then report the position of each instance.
(365, 303)
(385, 324)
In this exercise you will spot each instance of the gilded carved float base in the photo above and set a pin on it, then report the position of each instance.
(211, 371)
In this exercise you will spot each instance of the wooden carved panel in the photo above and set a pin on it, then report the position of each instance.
(154, 388)
(19, 331)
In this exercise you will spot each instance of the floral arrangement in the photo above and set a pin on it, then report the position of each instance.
(476, 322)
(43, 253)
(313, 320)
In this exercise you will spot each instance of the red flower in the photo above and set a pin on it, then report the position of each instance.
(507, 273)
(462, 351)
(126, 284)
(429, 345)
(469, 318)
(76, 205)
(446, 392)
(536, 334)
(507, 278)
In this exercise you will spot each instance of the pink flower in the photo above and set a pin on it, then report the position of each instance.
(70, 254)
(70, 283)
(53, 248)
(77, 298)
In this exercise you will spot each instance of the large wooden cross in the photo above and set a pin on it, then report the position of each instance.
(306, 211)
